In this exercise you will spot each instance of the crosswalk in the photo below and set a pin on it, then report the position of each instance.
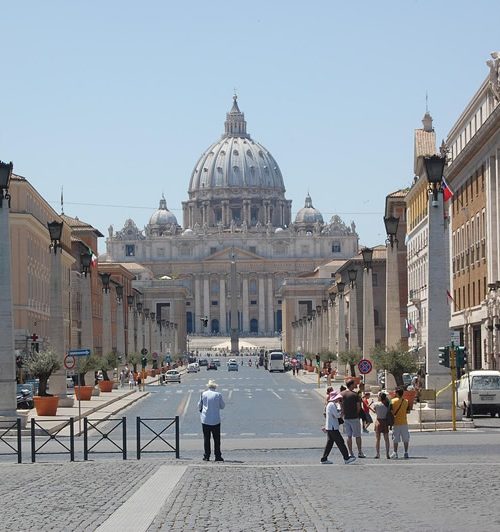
(278, 392)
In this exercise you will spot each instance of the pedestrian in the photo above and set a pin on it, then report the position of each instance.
(210, 405)
(366, 407)
(332, 430)
(329, 390)
(131, 380)
(122, 378)
(381, 407)
(400, 432)
(352, 427)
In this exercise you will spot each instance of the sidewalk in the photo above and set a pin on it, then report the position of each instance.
(413, 417)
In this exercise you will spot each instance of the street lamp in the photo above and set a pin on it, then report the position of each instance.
(391, 228)
(119, 292)
(340, 287)
(367, 254)
(130, 301)
(86, 260)
(352, 273)
(146, 313)
(434, 168)
(55, 231)
(5, 175)
(105, 278)
(139, 307)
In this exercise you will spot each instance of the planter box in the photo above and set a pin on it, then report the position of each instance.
(46, 406)
(83, 393)
(106, 386)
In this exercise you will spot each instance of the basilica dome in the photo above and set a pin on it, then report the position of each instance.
(162, 220)
(308, 214)
(236, 161)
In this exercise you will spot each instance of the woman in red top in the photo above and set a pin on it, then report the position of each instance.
(366, 405)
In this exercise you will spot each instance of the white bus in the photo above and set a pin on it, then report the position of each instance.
(276, 361)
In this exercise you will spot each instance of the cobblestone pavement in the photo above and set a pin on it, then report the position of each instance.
(442, 487)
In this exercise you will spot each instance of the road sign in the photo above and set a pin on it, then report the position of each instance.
(455, 337)
(365, 366)
(69, 361)
(155, 355)
(79, 352)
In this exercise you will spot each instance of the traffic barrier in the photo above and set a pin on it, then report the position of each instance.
(104, 437)
(141, 422)
(53, 437)
(10, 432)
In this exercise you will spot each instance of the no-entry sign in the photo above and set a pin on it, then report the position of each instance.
(69, 361)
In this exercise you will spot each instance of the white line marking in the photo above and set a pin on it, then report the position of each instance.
(247, 433)
(187, 405)
(150, 497)
(276, 433)
(304, 433)
(272, 391)
(230, 393)
(190, 434)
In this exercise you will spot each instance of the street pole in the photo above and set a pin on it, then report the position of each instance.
(453, 371)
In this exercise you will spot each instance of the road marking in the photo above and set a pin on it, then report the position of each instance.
(304, 433)
(191, 434)
(258, 389)
(236, 389)
(247, 433)
(230, 393)
(276, 433)
(187, 405)
(272, 391)
(150, 497)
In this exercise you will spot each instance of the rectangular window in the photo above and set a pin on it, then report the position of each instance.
(253, 302)
(215, 303)
(213, 250)
(336, 247)
(253, 250)
(130, 250)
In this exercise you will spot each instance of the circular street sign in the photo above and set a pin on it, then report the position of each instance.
(69, 361)
(155, 355)
(365, 366)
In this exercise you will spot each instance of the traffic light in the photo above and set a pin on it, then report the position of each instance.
(318, 360)
(461, 354)
(444, 356)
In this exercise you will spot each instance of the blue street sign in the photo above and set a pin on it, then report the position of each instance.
(79, 352)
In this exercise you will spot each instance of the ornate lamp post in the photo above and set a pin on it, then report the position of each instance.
(56, 319)
(353, 310)
(7, 359)
(434, 168)
(392, 304)
(368, 314)
(140, 329)
(131, 333)
(120, 323)
(106, 314)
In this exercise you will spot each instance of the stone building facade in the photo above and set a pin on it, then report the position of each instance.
(236, 208)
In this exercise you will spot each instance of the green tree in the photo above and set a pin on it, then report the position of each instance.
(107, 363)
(134, 359)
(350, 358)
(85, 365)
(41, 365)
(396, 361)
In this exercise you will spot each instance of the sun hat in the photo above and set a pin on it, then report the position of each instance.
(211, 384)
(334, 396)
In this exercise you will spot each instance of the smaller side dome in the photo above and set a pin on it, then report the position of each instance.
(163, 221)
(308, 214)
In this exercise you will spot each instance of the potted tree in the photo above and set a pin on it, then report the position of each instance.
(83, 392)
(41, 365)
(351, 359)
(107, 363)
(397, 360)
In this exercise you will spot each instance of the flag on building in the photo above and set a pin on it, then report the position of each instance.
(93, 260)
(409, 326)
(450, 299)
(447, 192)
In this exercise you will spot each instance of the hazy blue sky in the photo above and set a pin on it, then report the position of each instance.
(116, 100)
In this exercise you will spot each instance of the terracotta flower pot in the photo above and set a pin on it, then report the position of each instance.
(83, 393)
(46, 406)
(357, 380)
(105, 386)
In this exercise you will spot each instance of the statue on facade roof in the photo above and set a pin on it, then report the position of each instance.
(494, 65)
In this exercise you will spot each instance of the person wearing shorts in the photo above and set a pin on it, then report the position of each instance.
(351, 406)
(400, 432)
(381, 428)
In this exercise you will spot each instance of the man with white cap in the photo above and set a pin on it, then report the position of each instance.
(210, 405)
(332, 426)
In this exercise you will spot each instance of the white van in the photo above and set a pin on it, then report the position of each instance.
(276, 361)
(484, 395)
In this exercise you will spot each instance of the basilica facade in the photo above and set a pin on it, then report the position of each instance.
(236, 210)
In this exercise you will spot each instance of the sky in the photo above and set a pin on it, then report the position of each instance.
(115, 101)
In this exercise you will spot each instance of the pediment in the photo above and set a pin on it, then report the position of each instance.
(240, 254)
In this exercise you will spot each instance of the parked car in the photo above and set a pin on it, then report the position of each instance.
(193, 367)
(484, 395)
(216, 361)
(232, 366)
(173, 375)
(211, 365)
(203, 362)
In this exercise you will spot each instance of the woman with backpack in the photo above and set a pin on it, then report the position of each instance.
(382, 408)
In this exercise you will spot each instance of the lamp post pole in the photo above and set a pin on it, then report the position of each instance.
(56, 320)
(87, 328)
(353, 311)
(341, 311)
(120, 325)
(392, 306)
(7, 359)
(106, 314)
(368, 314)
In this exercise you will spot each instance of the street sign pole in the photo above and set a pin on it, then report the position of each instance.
(453, 371)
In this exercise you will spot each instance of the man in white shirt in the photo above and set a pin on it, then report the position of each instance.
(210, 405)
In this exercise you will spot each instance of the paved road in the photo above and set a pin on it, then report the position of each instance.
(268, 482)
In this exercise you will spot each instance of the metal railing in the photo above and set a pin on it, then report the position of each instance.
(158, 436)
(7, 439)
(105, 439)
(53, 437)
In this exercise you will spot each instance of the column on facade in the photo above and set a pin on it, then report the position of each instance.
(368, 321)
(222, 305)
(262, 305)
(332, 327)
(58, 384)
(8, 403)
(392, 307)
(225, 213)
(131, 332)
(245, 305)
(154, 334)
(140, 331)
(206, 302)
(270, 305)
(120, 329)
(198, 326)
